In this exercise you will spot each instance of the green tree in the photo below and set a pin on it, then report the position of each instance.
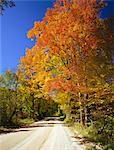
(9, 101)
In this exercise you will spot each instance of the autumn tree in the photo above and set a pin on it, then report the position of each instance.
(72, 33)
(73, 56)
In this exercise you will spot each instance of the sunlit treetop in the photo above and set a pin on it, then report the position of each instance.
(71, 46)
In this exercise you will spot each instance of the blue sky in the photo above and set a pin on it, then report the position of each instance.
(14, 25)
(16, 22)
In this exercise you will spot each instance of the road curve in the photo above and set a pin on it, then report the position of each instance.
(42, 135)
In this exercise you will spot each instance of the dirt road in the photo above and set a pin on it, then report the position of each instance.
(44, 135)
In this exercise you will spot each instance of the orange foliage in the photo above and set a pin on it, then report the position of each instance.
(71, 32)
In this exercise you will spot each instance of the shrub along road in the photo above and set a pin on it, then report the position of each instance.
(42, 135)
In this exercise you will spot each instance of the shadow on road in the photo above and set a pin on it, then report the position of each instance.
(82, 140)
(5, 131)
(49, 123)
(43, 123)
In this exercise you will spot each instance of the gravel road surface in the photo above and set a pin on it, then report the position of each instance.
(42, 135)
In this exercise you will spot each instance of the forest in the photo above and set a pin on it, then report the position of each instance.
(70, 69)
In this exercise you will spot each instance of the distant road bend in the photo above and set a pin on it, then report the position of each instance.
(43, 135)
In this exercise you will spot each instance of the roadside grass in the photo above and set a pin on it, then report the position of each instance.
(25, 122)
(89, 137)
(82, 134)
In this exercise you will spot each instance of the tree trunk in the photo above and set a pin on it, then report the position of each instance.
(81, 115)
(85, 116)
(81, 110)
(10, 118)
(33, 114)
